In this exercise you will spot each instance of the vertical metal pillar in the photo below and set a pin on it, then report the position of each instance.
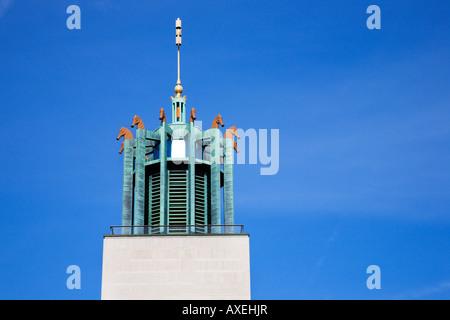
(228, 196)
(149, 203)
(205, 187)
(127, 195)
(215, 179)
(139, 181)
(163, 214)
(191, 178)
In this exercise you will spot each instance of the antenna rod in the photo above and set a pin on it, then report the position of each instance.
(178, 43)
(178, 80)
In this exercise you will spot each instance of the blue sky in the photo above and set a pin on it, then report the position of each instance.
(363, 117)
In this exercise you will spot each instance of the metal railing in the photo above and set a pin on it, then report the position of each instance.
(178, 229)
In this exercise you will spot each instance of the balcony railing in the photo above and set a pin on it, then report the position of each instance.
(178, 229)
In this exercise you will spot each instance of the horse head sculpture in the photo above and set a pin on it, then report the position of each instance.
(138, 121)
(124, 132)
(217, 121)
(192, 116)
(162, 115)
(229, 134)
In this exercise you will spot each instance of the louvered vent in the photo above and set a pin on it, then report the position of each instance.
(177, 200)
(155, 199)
(208, 195)
(200, 201)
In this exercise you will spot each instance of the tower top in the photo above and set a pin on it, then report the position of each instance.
(178, 87)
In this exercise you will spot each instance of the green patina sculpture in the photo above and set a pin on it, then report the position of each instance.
(173, 176)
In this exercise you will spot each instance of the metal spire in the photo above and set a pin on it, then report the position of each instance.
(178, 87)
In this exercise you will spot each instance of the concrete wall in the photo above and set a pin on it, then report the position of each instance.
(176, 267)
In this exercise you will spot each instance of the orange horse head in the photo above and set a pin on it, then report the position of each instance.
(217, 121)
(229, 133)
(162, 115)
(124, 132)
(192, 117)
(138, 121)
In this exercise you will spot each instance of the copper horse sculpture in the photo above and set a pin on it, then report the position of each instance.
(192, 117)
(217, 121)
(162, 115)
(229, 134)
(124, 132)
(138, 121)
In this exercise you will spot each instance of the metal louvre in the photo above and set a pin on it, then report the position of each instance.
(178, 199)
(155, 199)
(208, 199)
(200, 200)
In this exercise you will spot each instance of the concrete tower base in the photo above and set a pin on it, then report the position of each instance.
(176, 267)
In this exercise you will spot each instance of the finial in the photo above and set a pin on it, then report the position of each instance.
(178, 87)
